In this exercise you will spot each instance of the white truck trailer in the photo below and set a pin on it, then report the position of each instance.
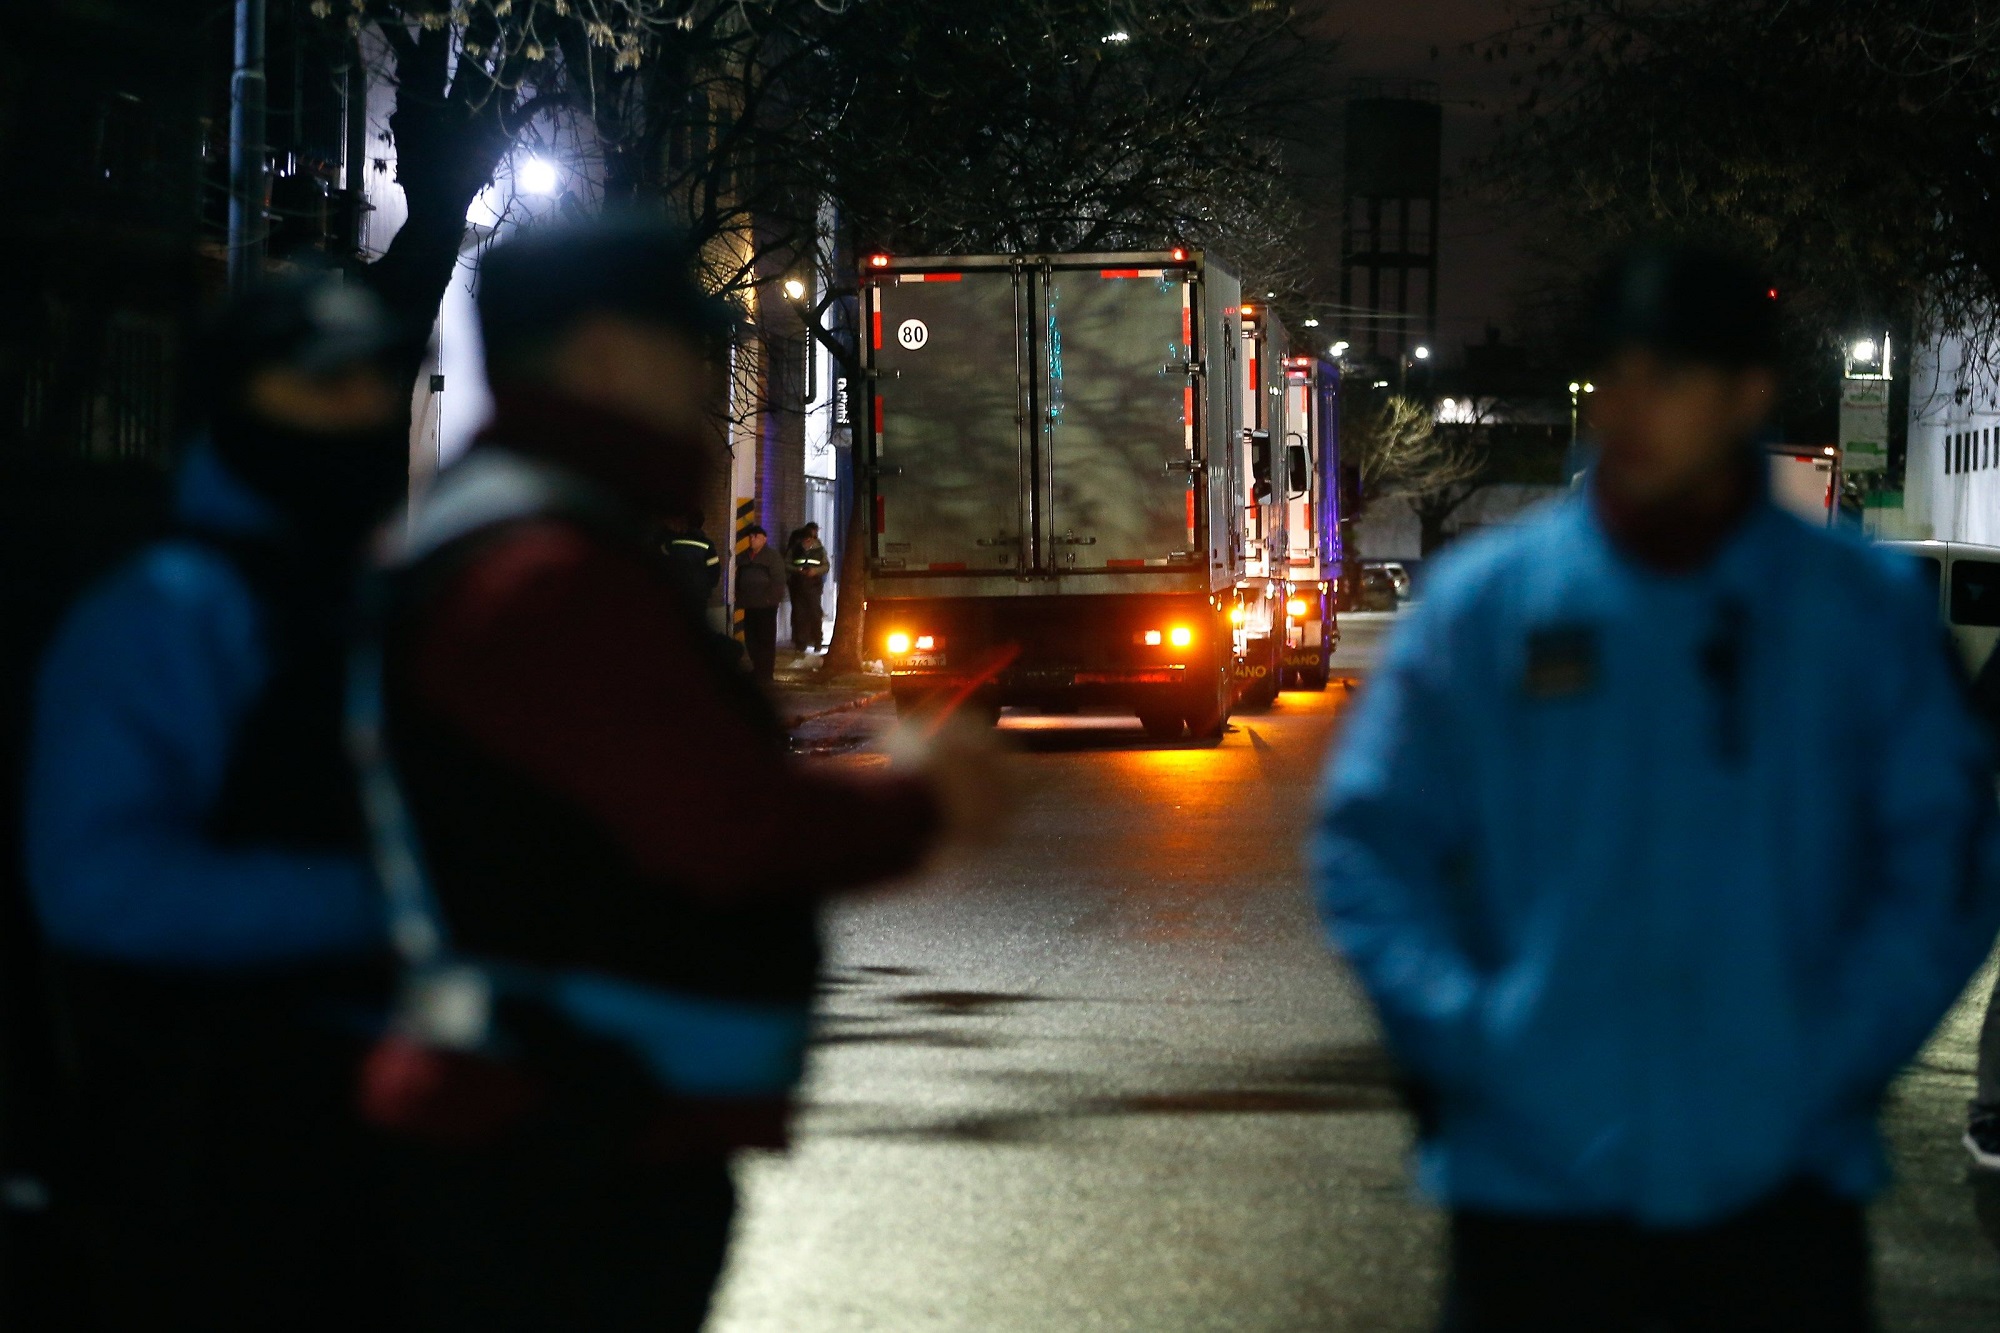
(1055, 455)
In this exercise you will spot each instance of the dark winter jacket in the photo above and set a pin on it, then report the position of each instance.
(760, 579)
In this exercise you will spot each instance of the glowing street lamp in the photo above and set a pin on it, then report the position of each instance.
(794, 289)
(538, 176)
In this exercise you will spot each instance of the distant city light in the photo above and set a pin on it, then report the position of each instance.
(1120, 36)
(1381, 384)
(538, 176)
(1422, 353)
(1339, 347)
(1574, 387)
(795, 289)
(1864, 350)
(1312, 323)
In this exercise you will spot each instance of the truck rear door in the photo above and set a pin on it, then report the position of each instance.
(1117, 418)
(950, 492)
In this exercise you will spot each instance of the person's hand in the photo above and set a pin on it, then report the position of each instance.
(968, 771)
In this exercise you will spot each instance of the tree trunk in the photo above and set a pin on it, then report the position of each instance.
(843, 655)
(447, 147)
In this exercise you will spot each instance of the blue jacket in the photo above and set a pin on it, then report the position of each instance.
(140, 697)
(1657, 881)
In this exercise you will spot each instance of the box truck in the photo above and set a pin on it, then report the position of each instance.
(1063, 488)
(1312, 478)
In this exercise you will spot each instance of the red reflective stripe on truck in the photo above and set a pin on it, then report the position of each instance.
(947, 566)
(878, 414)
(878, 330)
(1125, 564)
(1118, 273)
(930, 277)
(1190, 513)
(881, 516)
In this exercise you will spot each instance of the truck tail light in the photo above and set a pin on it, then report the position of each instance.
(878, 261)
(926, 642)
(1152, 638)
(1235, 615)
(1296, 607)
(899, 643)
(1180, 636)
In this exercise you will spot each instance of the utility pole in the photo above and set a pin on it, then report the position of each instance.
(246, 147)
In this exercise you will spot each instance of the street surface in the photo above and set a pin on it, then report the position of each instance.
(1108, 1078)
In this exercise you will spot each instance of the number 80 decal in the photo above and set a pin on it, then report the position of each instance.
(913, 333)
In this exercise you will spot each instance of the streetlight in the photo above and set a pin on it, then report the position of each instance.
(1403, 363)
(538, 176)
(1864, 350)
(1339, 349)
(1576, 391)
(1312, 323)
(794, 290)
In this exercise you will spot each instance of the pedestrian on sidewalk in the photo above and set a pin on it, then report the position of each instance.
(575, 756)
(195, 847)
(760, 591)
(806, 556)
(1652, 898)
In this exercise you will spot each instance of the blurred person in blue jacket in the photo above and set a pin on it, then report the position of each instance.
(195, 851)
(1661, 839)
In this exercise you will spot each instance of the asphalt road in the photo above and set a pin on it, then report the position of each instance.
(1109, 1079)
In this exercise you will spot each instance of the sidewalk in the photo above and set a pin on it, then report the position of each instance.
(825, 713)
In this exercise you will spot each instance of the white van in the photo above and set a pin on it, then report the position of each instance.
(1967, 579)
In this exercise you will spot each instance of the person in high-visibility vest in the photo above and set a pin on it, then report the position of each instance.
(807, 558)
(695, 561)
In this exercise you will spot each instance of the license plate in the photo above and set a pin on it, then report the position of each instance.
(925, 659)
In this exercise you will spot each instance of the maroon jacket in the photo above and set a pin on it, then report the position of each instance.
(595, 787)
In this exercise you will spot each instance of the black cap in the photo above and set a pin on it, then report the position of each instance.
(535, 287)
(1687, 303)
(314, 322)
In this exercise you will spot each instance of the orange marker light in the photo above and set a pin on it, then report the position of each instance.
(899, 643)
(1295, 607)
(925, 643)
(1154, 638)
(878, 261)
(1181, 636)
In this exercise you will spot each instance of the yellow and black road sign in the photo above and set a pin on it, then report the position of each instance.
(746, 517)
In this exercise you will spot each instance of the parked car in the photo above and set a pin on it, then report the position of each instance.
(1377, 591)
(1397, 573)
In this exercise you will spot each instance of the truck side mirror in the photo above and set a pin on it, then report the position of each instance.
(1260, 464)
(1298, 468)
